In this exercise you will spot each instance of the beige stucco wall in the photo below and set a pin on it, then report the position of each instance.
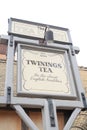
(80, 122)
(2, 76)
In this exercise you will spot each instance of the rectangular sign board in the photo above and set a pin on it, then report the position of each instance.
(44, 71)
(36, 30)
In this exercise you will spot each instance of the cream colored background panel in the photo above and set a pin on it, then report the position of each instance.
(44, 72)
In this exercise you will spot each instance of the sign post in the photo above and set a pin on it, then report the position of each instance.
(47, 74)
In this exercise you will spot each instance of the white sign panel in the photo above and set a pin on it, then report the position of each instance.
(37, 30)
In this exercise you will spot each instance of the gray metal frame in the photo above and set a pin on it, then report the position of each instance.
(29, 123)
(19, 102)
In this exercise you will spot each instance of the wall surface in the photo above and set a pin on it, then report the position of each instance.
(83, 74)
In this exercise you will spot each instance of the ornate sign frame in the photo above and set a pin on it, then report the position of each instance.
(44, 71)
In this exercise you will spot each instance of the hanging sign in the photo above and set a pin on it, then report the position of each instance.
(44, 72)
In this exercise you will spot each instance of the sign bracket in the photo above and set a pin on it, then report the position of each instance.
(51, 113)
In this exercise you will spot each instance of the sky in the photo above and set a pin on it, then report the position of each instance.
(71, 14)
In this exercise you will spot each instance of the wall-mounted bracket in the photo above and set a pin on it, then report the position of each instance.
(72, 50)
(8, 95)
(51, 113)
(84, 100)
(11, 40)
